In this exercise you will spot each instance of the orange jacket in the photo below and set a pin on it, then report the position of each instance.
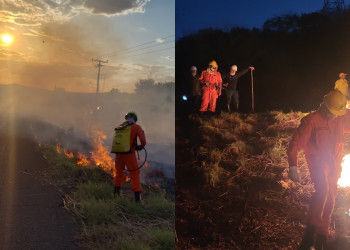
(214, 78)
(136, 131)
(322, 140)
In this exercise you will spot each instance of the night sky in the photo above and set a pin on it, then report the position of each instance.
(193, 15)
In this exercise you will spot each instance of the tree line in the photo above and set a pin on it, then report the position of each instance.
(297, 59)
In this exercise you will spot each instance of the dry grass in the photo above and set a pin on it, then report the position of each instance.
(246, 200)
(109, 223)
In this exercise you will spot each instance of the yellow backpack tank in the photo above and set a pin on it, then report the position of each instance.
(121, 140)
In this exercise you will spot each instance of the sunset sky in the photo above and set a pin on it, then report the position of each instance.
(54, 42)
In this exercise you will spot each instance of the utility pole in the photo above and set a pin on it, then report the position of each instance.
(99, 65)
(252, 83)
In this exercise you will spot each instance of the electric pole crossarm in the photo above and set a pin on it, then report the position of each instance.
(99, 65)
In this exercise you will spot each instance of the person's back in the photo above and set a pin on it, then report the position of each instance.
(136, 132)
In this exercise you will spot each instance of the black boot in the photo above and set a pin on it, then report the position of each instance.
(116, 191)
(137, 197)
(308, 239)
(320, 242)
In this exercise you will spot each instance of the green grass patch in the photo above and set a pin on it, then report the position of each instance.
(108, 222)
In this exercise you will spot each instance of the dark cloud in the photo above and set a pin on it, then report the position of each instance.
(37, 12)
(111, 7)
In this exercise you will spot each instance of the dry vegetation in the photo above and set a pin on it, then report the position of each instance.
(232, 187)
(107, 222)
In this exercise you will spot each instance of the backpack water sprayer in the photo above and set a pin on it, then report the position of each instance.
(121, 143)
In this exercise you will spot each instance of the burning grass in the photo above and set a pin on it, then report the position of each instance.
(232, 186)
(110, 223)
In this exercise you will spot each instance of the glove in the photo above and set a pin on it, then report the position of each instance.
(293, 174)
(138, 147)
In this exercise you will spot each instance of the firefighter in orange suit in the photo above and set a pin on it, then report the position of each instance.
(321, 136)
(211, 82)
(129, 159)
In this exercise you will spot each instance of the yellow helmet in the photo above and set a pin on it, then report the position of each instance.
(342, 74)
(213, 63)
(335, 102)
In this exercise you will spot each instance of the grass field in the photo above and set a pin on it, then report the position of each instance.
(108, 222)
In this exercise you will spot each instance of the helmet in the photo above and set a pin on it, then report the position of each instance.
(234, 67)
(213, 63)
(193, 68)
(342, 74)
(335, 102)
(132, 115)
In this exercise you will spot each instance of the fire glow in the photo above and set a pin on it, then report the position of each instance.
(344, 180)
(99, 156)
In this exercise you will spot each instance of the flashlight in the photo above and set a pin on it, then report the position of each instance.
(184, 97)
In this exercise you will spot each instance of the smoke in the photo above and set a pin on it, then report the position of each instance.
(69, 118)
(54, 42)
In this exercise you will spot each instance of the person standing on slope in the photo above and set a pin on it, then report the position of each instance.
(230, 83)
(211, 82)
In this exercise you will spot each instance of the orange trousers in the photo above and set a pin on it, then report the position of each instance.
(130, 161)
(322, 203)
(209, 97)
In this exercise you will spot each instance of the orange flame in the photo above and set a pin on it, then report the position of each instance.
(67, 154)
(82, 160)
(127, 178)
(100, 155)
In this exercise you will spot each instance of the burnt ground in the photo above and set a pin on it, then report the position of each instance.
(31, 211)
(255, 207)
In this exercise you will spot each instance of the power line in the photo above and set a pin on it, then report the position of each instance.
(153, 41)
(137, 46)
(127, 56)
(149, 46)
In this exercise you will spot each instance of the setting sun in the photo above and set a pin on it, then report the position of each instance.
(7, 38)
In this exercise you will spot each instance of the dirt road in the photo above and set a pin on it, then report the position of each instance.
(30, 213)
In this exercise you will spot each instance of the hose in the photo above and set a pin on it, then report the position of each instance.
(138, 157)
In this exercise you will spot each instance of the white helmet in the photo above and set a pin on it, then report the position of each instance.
(193, 68)
(234, 67)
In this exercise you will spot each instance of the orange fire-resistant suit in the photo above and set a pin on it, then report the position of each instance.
(129, 160)
(322, 141)
(210, 93)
